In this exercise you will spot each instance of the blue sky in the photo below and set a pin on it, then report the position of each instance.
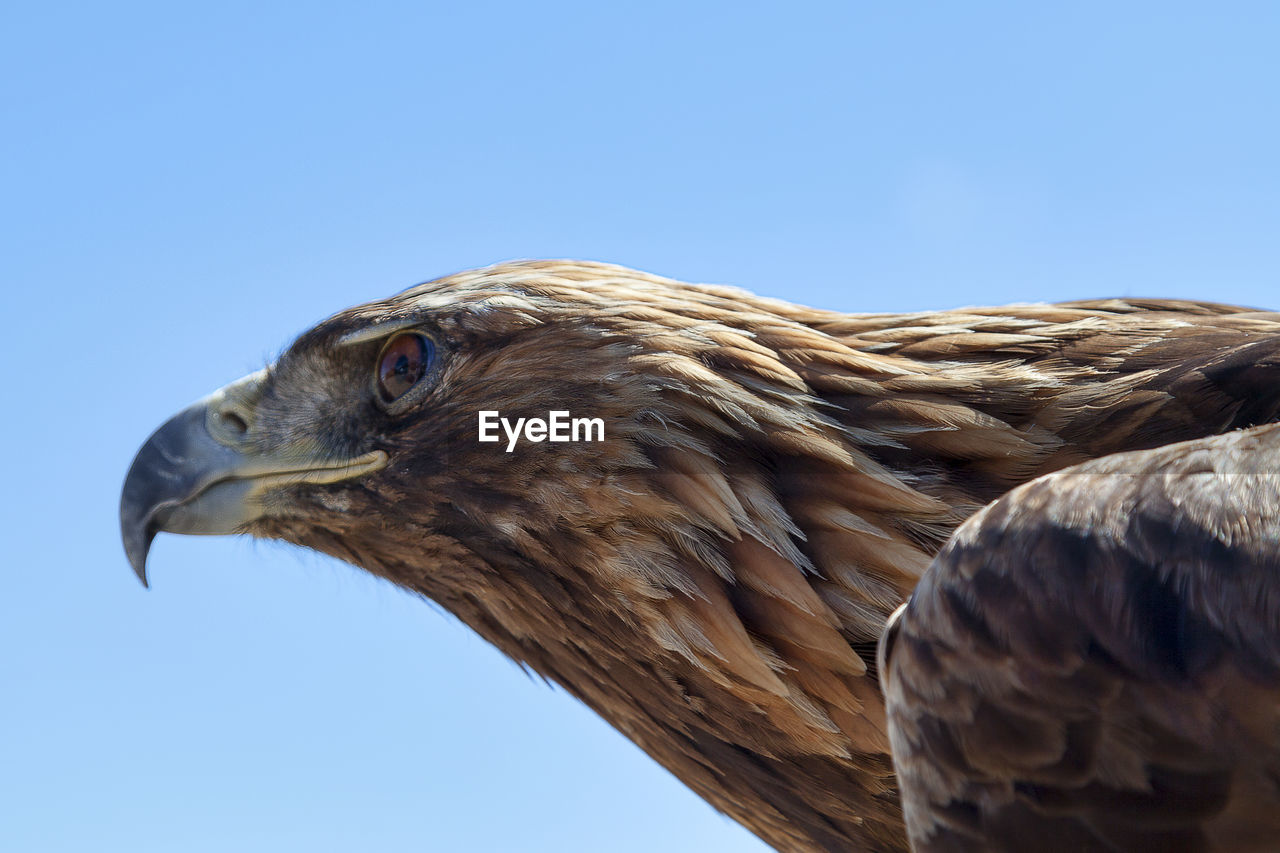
(186, 187)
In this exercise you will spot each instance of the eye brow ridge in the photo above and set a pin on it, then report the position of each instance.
(384, 329)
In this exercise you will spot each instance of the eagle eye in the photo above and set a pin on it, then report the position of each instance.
(404, 361)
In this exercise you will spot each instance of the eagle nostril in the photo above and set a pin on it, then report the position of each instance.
(234, 421)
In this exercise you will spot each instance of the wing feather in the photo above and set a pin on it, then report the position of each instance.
(1093, 661)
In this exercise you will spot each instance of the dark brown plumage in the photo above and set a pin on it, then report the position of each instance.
(713, 577)
(1093, 661)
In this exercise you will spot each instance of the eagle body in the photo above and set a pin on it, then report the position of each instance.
(713, 576)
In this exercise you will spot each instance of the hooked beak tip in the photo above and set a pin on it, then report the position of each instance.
(140, 569)
(137, 543)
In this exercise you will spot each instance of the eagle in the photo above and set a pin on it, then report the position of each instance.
(713, 572)
(1093, 661)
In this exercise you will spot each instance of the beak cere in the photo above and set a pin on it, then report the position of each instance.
(197, 473)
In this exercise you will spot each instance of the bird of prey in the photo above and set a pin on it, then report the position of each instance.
(1093, 661)
(712, 577)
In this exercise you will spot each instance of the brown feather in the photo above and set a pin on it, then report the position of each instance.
(1093, 661)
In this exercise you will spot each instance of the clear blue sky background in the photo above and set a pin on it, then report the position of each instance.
(185, 187)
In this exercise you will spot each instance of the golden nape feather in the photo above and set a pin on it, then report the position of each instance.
(713, 575)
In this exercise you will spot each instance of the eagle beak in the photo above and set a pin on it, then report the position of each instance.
(200, 473)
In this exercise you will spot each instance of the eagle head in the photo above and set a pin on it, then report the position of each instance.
(658, 571)
(384, 434)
